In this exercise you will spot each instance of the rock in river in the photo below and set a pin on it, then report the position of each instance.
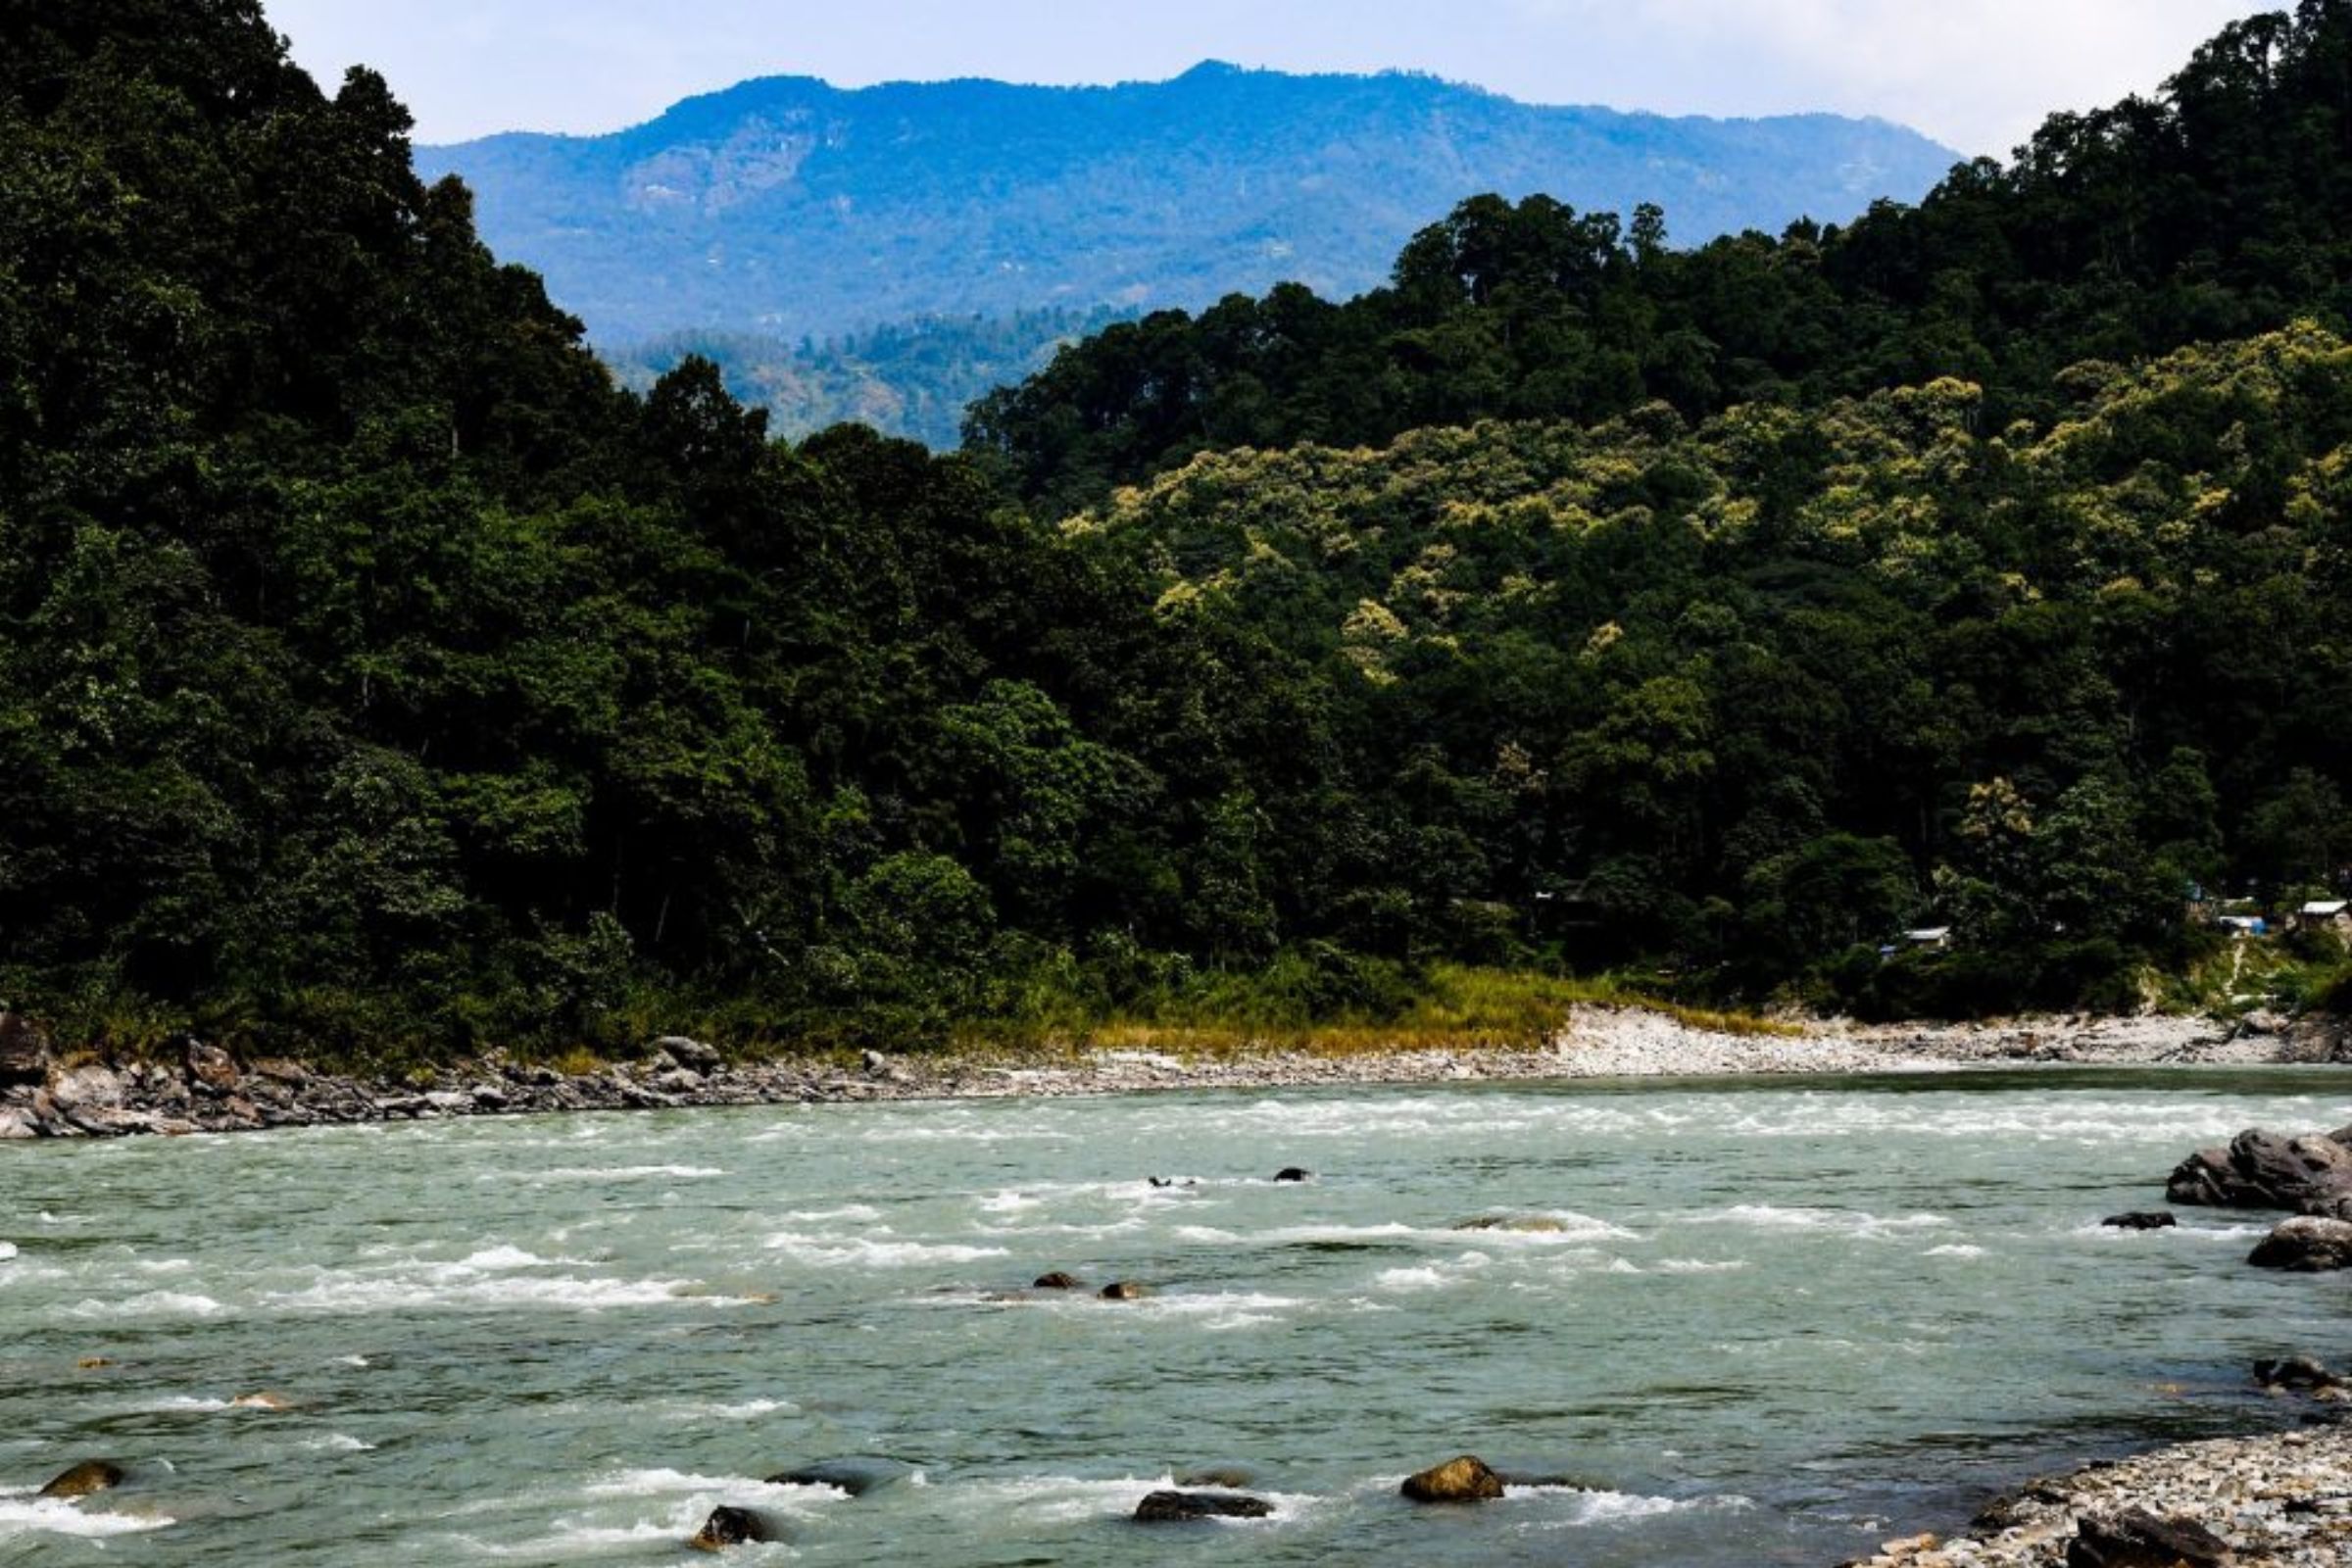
(1179, 1507)
(732, 1527)
(2295, 1372)
(2306, 1244)
(2265, 1170)
(1123, 1291)
(2140, 1539)
(2160, 1220)
(1057, 1281)
(89, 1476)
(1293, 1173)
(1463, 1480)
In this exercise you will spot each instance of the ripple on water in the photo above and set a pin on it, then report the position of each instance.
(21, 1513)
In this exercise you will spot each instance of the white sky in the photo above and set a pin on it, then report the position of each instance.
(1976, 74)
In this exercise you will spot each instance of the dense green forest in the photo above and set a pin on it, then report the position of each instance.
(913, 379)
(376, 672)
(2219, 209)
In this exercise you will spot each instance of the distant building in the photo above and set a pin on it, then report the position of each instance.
(2326, 914)
(2245, 925)
(1933, 936)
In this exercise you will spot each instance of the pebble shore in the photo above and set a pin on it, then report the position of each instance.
(2280, 1502)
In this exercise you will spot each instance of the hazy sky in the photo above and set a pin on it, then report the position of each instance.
(1976, 74)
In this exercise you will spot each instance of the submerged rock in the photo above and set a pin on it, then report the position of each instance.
(1057, 1281)
(2160, 1220)
(1464, 1480)
(1180, 1507)
(84, 1479)
(855, 1475)
(2140, 1539)
(2306, 1244)
(732, 1527)
(1225, 1477)
(1526, 1224)
(1123, 1291)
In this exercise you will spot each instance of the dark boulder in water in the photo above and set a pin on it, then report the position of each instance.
(2140, 1539)
(88, 1477)
(1293, 1173)
(1464, 1480)
(2159, 1220)
(732, 1527)
(2306, 1246)
(1123, 1291)
(857, 1475)
(1181, 1507)
(1057, 1281)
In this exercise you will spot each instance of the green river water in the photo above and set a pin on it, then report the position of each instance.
(1775, 1322)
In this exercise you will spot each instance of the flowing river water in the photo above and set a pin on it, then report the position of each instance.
(1773, 1323)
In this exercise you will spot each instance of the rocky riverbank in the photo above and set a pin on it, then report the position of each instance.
(196, 1087)
(2278, 1502)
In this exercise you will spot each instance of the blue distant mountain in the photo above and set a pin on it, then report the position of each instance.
(792, 208)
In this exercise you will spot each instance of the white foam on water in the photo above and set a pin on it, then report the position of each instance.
(613, 1173)
(1007, 1201)
(1697, 1265)
(720, 1410)
(154, 1303)
(1589, 1509)
(1955, 1249)
(23, 1514)
(338, 1443)
(8, 1250)
(163, 1265)
(339, 1293)
(1433, 1276)
(353, 1360)
(870, 1252)
(856, 1214)
(176, 1404)
(1850, 1222)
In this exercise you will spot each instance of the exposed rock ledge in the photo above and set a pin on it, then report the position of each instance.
(201, 1088)
(2279, 1501)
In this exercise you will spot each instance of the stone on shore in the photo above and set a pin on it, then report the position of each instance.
(84, 1479)
(2306, 1244)
(2159, 1220)
(1182, 1508)
(2138, 1539)
(688, 1052)
(732, 1527)
(24, 1049)
(212, 1069)
(1464, 1480)
(2299, 1372)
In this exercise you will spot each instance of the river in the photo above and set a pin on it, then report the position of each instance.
(1769, 1323)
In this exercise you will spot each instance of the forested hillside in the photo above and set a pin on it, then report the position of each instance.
(375, 673)
(914, 379)
(2220, 208)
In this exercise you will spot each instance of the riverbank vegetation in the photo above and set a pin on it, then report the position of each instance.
(375, 673)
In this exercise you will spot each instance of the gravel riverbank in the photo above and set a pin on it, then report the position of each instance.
(207, 1090)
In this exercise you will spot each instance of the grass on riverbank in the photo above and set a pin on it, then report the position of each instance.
(1455, 1007)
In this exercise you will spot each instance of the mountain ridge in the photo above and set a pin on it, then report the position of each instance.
(791, 207)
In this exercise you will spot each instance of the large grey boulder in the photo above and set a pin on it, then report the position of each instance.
(2261, 1169)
